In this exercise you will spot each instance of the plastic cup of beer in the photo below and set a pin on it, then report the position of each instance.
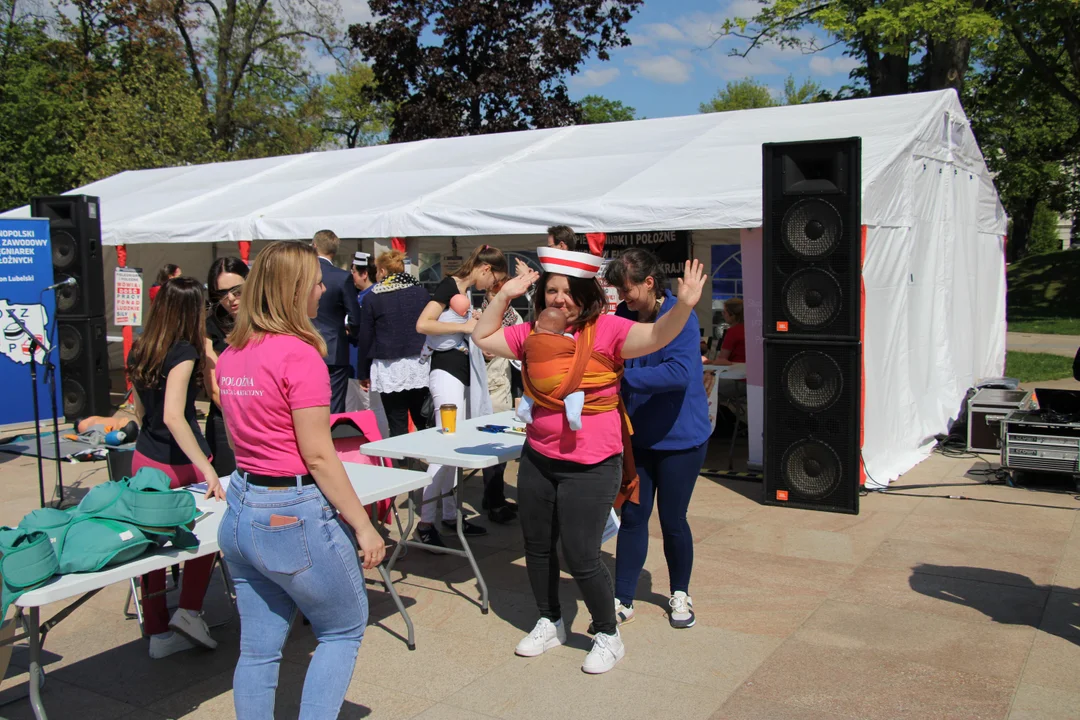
(448, 417)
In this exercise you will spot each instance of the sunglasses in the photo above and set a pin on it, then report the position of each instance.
(235, 292)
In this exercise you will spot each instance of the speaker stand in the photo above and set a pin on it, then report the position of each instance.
(50, 368)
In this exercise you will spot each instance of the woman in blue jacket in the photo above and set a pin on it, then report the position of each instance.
(665, 397)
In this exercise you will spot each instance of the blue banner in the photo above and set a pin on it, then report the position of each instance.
(26, 269)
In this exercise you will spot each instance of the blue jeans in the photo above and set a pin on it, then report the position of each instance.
(668, 477)
(310, 564)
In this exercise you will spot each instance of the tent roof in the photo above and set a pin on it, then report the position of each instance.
(682, 173)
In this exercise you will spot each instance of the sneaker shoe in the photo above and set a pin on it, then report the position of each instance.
(606, 651)
(429, 536)
(166, 644)
(544, 636)
(682, 610)
(467, 527)
(506, 504)
(623, 615)
(191, 625)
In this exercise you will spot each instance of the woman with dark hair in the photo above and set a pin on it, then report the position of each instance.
(163, 366)
(450, 377)
(670, 414)
(224, 283)
(566, 486)
(732, 351)
(167, 272)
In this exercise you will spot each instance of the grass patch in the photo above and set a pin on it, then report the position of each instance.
(1047, 325)
(1044, 294)
(1036, 367)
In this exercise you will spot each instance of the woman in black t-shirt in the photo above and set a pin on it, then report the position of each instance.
(449, 376)
(162, 365)
(224, 285)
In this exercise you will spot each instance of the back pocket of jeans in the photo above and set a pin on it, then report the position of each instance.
(282, 549)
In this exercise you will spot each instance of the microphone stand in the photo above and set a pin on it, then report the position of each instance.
(36, 345)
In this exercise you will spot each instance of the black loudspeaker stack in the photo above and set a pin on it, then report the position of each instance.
(75, 228)
(812, 324)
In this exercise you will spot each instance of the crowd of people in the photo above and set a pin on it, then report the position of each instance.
(272, 353)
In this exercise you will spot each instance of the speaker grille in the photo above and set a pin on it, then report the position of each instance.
(812, 415)
(812, 299)
(811, 469)
(67, 297)
(812, 381)
(812, 249)
(71, 343)
(65, 251)
(75, 400)
(811, 229)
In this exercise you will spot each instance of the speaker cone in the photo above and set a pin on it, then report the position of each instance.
(71, 343)
(67, 297)
(812, 298)
(812, 381)
(64, 250)
(812, 469)
(811, 229)
(74, 399)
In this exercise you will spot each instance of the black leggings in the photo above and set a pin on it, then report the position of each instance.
(559, 498)
(224, 461)
(398, 407)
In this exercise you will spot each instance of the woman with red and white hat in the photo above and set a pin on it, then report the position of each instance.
(566, 486)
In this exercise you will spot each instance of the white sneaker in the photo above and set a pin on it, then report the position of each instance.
(166, 644)
(544, 636)
(682, 610)
(623, 615)
(190, 624)
(606, 651)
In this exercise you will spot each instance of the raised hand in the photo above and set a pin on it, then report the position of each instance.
(691, 283)
(518, 285)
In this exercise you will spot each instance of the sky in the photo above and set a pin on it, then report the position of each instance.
(675, 62)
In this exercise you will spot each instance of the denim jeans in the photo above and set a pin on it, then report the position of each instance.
(310, 564)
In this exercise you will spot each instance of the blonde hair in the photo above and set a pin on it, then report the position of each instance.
(391, 262)
(326, 242)
(276, 294)
(734, 306)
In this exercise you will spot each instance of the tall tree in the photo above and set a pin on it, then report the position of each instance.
(248, 64)
(353, 118)
(596, 109)
(886, 35)
(467, 67)
(748, 94)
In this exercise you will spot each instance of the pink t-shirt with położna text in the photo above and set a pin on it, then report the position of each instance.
(260, 386)
(600, 436)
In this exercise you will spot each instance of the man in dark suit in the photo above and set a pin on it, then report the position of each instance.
(338, 312)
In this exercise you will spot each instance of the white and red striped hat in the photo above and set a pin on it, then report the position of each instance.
(567, 262)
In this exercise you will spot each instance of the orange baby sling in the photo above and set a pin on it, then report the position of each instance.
(555, 366)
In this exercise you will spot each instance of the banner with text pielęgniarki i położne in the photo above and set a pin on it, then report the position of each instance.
(26, 269)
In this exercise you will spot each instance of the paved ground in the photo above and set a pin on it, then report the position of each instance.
(918, 607)
(1064, 345)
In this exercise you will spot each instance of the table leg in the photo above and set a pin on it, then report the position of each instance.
(385, 573)
(403, 541)
(459, 491)
(35, 663)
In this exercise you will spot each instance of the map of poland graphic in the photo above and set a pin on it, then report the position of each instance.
(14, 345)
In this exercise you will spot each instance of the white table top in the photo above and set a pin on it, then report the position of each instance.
(372, 483)
(467, 448)
(728, 372)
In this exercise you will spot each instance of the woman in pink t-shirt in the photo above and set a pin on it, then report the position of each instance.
(293, 524)
(566, 486)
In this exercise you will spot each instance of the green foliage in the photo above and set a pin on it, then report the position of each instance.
(597, 109)
(352, 118)
(1044, 232)
(468, 67)
(1043, 289)
(748, 94)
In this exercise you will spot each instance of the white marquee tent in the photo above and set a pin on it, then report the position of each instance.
(934, 270)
